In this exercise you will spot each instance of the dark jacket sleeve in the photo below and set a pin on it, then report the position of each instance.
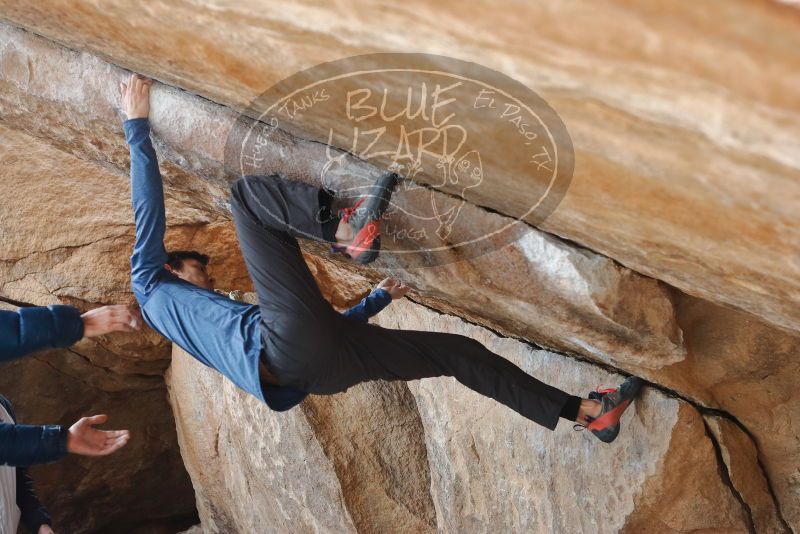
(30, 329)
(24, 445)
(370, 305)
(33, 513)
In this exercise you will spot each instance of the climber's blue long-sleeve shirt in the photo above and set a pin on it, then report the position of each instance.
(221, 333)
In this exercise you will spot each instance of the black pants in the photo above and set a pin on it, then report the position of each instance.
(310, 346)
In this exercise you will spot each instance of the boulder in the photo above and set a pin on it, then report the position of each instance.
(485, 468)
(313, 468)
(563, 481)
(684, 196)
(674, 157)
(611, 313)
(741, 459)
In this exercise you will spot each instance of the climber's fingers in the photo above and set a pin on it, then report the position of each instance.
(126, 88)
(136, 96)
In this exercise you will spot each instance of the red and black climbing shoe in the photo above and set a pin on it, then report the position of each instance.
(614, 402)
(364, 218)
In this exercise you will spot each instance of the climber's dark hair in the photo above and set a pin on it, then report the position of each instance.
(176, 257)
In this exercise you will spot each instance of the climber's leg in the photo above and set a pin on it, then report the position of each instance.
(268, 213)
(297, 208)
(296, 319)
(370, 352)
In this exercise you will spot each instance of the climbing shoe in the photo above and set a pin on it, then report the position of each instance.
(364, 218)
(614, 402)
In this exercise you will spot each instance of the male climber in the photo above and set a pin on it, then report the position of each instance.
(294, 342)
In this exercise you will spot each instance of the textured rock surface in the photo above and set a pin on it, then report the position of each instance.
(734, 362)
(742, 366)
(239, 453)
(268, 473)
(319, 468)
(664, 177)
(72, 239)
(741, 458)
(662, 456)
(612, 313)
(682, 173)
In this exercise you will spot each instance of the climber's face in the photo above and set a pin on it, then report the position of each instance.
(195, 273)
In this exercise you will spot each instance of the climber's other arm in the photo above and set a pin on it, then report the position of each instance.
(384, 293)
(396, 288)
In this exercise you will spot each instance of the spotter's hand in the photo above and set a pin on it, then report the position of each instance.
(107, 319)
(86, 440)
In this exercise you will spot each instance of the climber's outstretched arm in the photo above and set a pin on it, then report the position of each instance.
(147, 194)
(370, 305)
(380, 297)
